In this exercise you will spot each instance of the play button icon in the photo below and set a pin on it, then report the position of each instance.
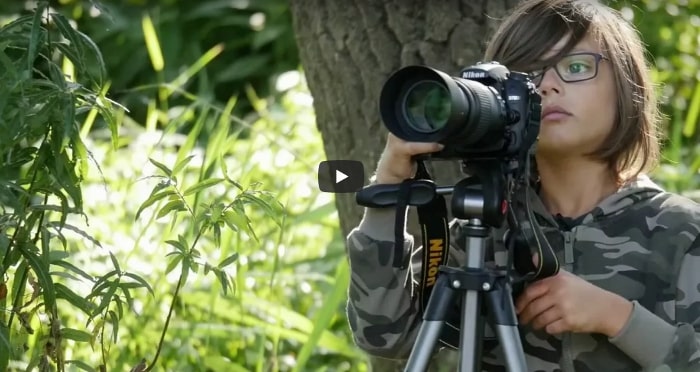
(341, 176)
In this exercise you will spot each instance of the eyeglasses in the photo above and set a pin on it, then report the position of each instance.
(573, 68)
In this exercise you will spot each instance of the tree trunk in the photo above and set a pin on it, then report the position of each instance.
(349, 48)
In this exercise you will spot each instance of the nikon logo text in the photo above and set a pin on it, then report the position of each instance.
(473, 75)
(435, 259)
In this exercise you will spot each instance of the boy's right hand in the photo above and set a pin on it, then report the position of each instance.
(396, 163)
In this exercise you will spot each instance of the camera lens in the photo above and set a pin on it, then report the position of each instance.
(427, 106)
(422, 104)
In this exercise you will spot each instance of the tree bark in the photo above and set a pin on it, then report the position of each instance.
(349, 48)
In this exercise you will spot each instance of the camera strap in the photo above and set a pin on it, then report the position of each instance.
(435, 229)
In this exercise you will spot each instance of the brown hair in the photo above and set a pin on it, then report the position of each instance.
(535, 26)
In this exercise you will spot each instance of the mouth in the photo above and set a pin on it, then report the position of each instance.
(554, 113)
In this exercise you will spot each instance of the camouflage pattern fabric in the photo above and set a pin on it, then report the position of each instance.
(641, 243)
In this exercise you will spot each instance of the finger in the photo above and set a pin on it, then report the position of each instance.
(557, 327)
(535, 308)
(415, 148)
(536, 259)
(531, 292)
(545, 318)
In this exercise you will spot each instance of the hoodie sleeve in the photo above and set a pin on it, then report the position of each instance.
(381, 309)
(383, 306)
(658, 345)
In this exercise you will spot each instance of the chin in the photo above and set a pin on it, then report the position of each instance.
(556, 146)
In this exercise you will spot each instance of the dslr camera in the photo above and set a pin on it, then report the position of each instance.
(488, 113)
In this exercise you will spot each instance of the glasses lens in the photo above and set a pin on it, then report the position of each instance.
(577, 67)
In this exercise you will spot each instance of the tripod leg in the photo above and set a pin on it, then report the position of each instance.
(471, 326)
(433, 321)
(505, 324)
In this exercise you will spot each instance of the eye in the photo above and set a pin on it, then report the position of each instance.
(578, 65)
(577, 68)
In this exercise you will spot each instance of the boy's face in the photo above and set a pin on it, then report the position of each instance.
(589, 107)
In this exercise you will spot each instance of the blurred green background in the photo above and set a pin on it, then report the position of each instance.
(213, 90)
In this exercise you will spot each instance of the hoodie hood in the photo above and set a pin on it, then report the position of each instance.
(637, 190)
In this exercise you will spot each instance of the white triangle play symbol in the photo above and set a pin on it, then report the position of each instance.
(339, 176)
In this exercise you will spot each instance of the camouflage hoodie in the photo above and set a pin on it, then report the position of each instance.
(641, 243)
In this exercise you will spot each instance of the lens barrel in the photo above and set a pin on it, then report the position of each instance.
(422, 104)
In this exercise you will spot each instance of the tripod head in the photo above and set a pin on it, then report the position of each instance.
(480, 195)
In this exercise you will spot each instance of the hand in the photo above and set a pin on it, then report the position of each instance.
(396, 163)
(567, 303)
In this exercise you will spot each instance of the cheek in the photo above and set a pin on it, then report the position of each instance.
(606, 101)
(602, 108)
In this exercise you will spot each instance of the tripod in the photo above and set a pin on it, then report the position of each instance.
(478, 203)
(478, 200)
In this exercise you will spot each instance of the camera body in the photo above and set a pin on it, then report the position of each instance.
(488, 113)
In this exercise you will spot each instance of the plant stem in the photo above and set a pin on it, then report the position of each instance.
(172, 307)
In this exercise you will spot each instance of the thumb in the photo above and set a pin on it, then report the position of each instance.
(536, 259)
(417, 148)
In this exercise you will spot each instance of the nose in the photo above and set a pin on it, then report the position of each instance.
(550, 82)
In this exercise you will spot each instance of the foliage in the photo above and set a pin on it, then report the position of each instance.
(44, 161)
(193, 214)
(671, 30)
(253, 40)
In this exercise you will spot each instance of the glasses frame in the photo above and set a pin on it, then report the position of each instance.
(537, 76)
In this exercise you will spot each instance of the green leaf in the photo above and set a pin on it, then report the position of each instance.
(106, 298)
(65, 28)
(692, 120)
(36, 35)
(58, 226)
(70, 267)
(228, 260)
(202, 185)
(75, 335)
(115, 262)
(87, 42)
(325, 315)
(172, 264)
(74, 299)
(55, 256)
(70, 53)
(181, 164)
(141, 281)
(238, 221)
(4, 346)
(185, 269)
(224, 170)
(219, 363)
(266, 202)
(63, 171)
(173, 205)
(42, 274)
(114, 321)
(80, 364)
(102, 282)
(243, 68)
(153, 199)
(225, 281)
(179, 245)
(162, 167)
